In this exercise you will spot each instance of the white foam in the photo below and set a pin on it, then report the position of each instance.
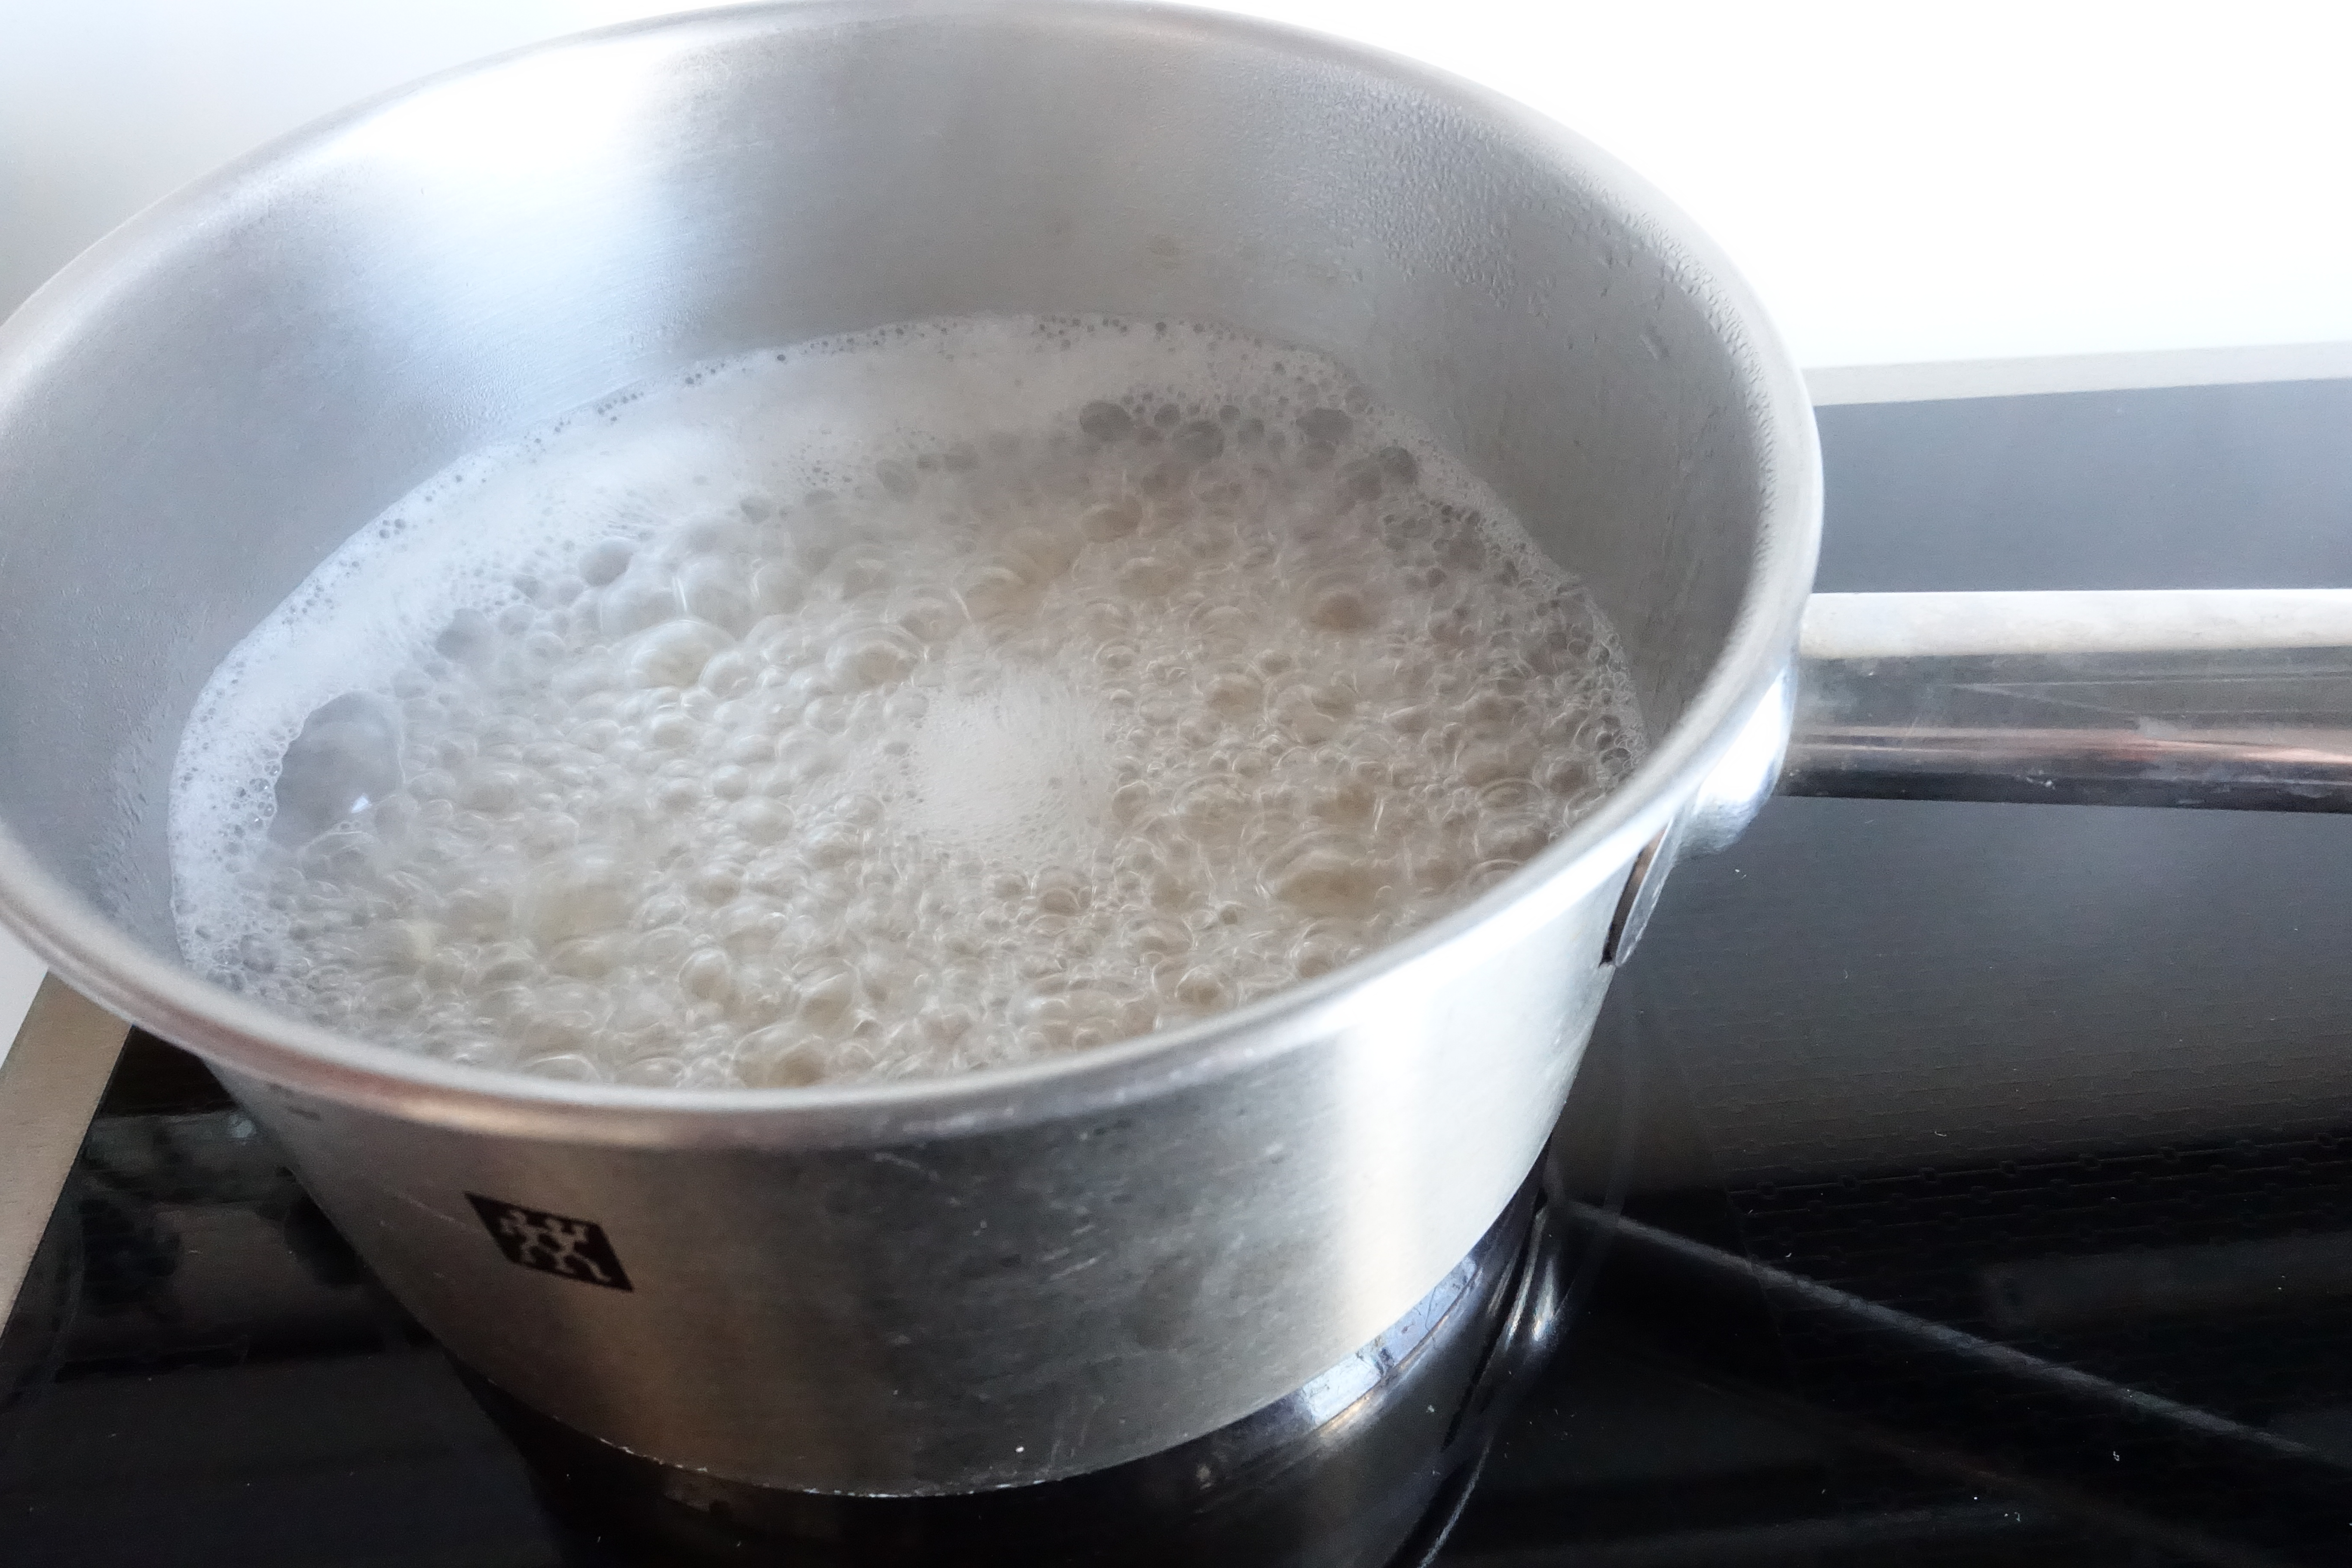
(1016, 770)
(901, 703)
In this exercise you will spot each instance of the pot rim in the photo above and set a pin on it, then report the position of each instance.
(93, 954)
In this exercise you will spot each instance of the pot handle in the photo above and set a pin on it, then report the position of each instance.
(2239, 699)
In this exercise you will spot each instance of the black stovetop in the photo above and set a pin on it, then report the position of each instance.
(1949, 1184)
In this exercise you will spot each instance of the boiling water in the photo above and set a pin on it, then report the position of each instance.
(903, 703)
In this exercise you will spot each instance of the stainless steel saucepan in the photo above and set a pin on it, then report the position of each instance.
(1027, 1273)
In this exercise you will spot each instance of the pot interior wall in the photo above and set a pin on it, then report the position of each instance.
(195, 415)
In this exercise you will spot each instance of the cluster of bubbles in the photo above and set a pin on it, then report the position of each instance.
(1070, 722)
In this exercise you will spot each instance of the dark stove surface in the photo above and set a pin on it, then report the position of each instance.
(1948, 1184)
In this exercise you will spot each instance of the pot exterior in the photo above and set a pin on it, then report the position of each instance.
(975, 1311)
(913, 1287)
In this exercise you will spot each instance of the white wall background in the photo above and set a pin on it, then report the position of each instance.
(1901, 182)
(1923, 181)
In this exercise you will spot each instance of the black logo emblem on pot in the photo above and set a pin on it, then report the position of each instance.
(551, 1243)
